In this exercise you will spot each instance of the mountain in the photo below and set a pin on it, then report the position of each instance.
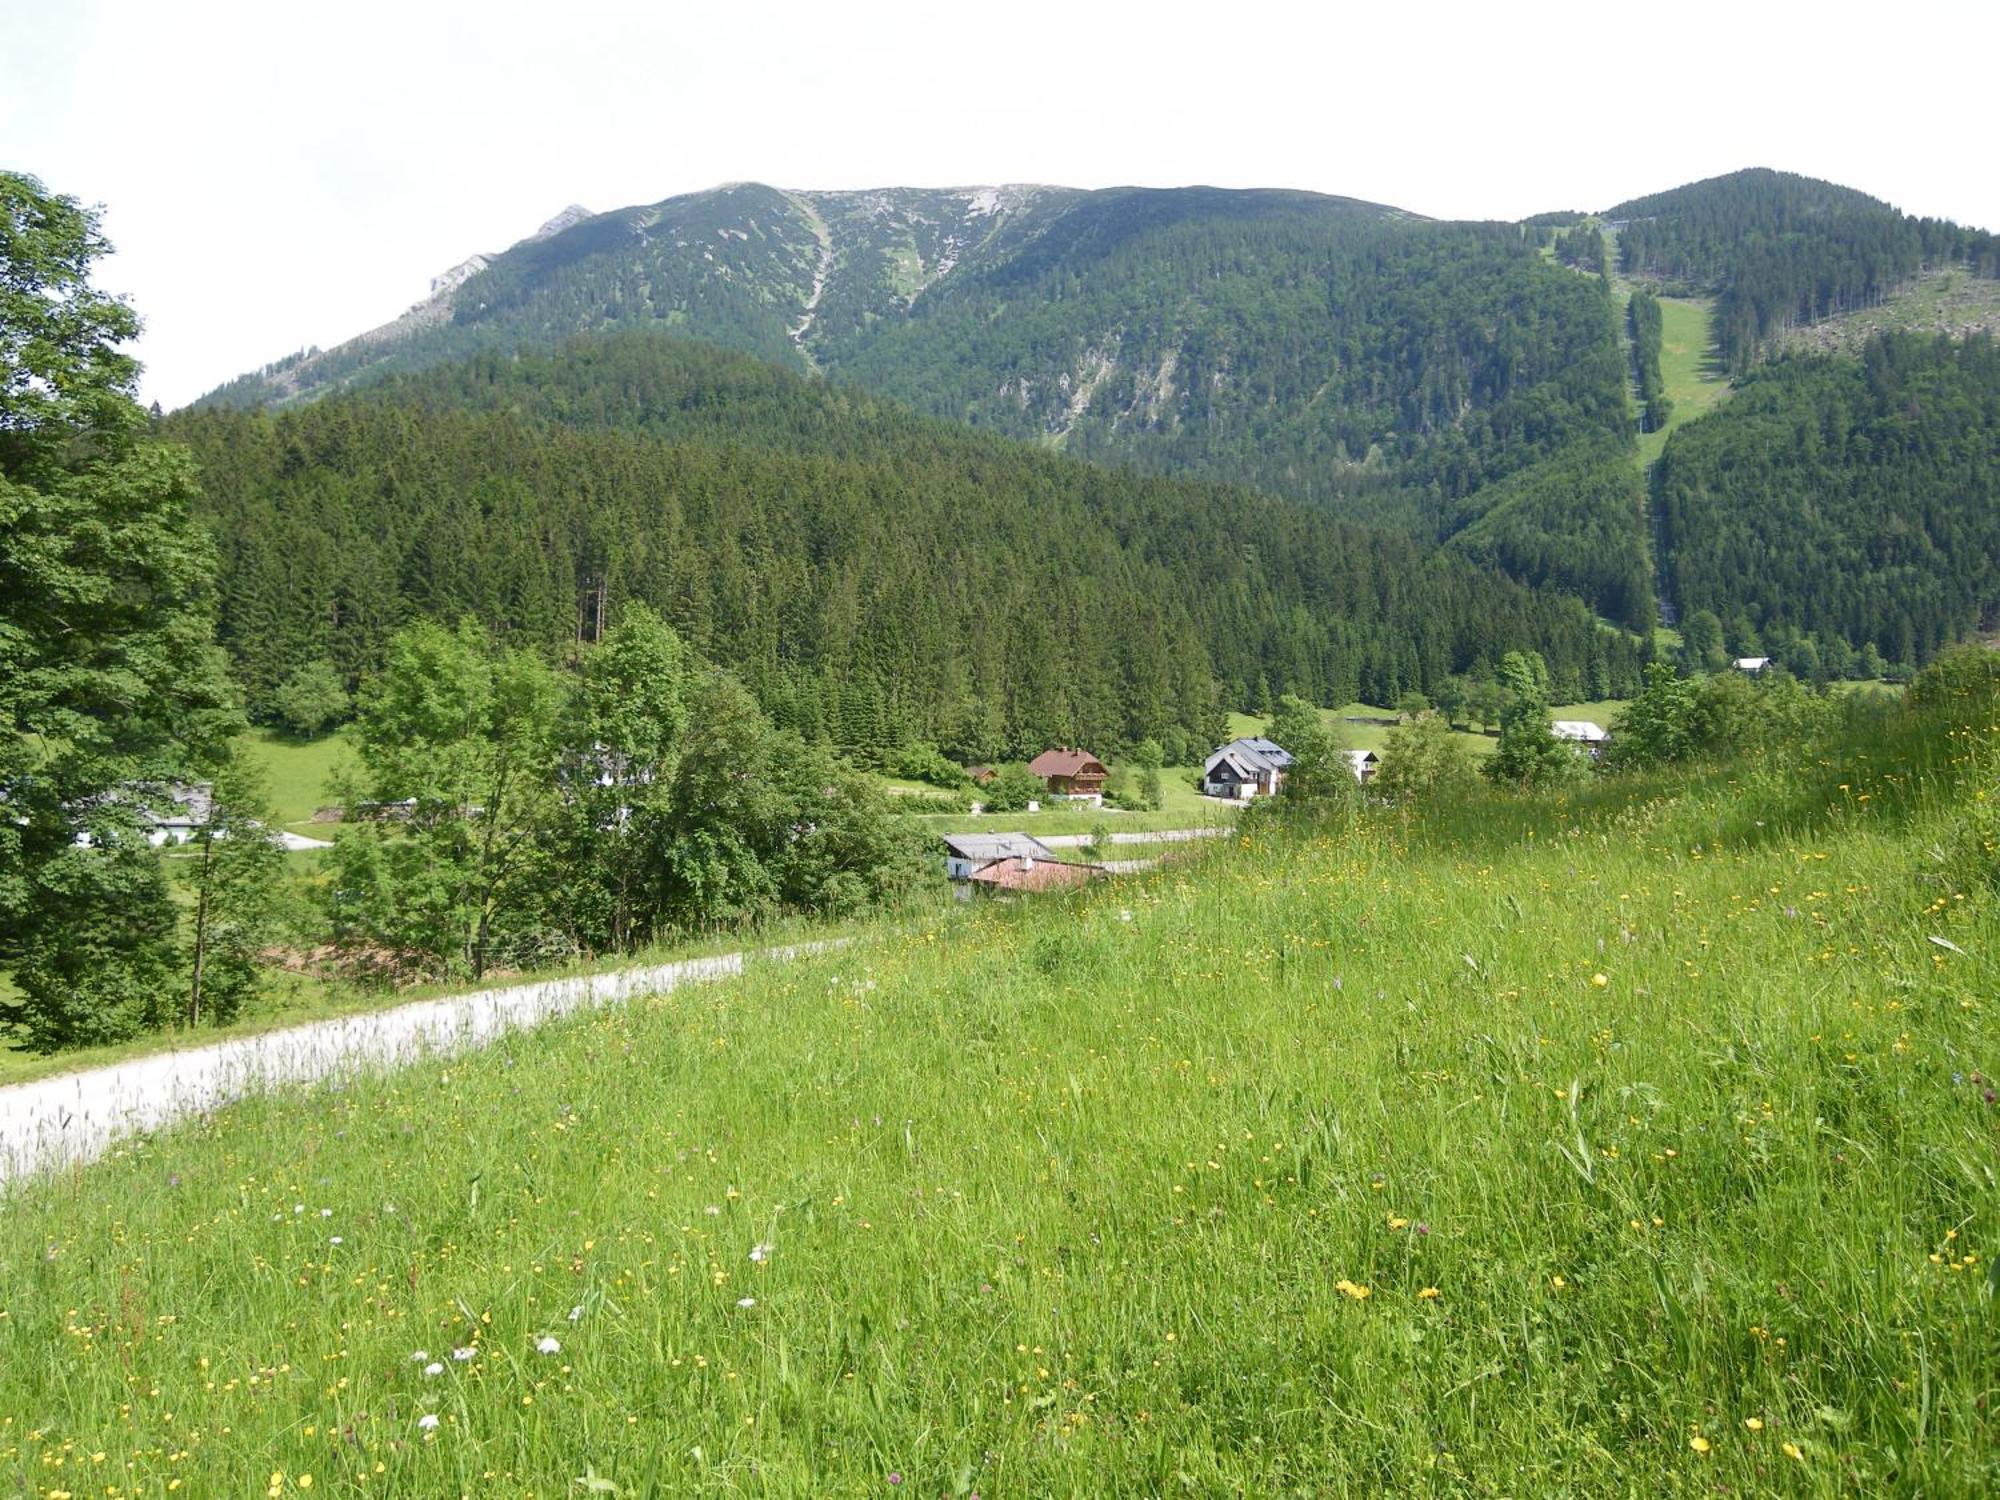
(1472, 384)
(876, 576)
(1779, 250)
(1309, 344)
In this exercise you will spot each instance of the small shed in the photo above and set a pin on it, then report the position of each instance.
(966, 852)
(1018, 876)
(1582, 733)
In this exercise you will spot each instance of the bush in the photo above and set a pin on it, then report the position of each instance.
(1013, 789)
(921, 761)
(312, 700)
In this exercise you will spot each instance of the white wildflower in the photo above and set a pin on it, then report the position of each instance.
(761, 1251)
(428, 1421)
(547, 1345)
(575, 1313)
(434, 1368)
(420, 1356)
(746, 1301)
(462, 1355)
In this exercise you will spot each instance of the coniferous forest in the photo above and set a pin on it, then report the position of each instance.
(1849, 500)
(874, 577)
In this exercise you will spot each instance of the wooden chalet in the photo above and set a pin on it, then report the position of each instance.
(1068, 772)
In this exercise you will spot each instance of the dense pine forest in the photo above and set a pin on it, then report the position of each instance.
(874, 577)
(1849, 500)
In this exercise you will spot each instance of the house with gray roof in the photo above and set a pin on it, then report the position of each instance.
(967, 852)
(1245, 768)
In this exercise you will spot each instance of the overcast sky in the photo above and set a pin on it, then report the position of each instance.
(280, 174)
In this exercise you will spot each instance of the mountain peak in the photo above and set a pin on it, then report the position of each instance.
(576, 213)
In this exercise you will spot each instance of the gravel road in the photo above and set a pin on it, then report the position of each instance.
(73, 1117)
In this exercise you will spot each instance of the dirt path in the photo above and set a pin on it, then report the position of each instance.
(74, 1117)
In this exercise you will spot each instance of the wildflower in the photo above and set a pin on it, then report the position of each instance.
(1698, 1443)
(433, 1368)
(326, 1213)
(576, 1313)
(305, 1481)
(1124, 913)
(420, 1356)
(1557, 1282)
(712, 1210)
(746, 1301)
(761, 1251)
(895, 1477)
(336, 1240)
(428, 1421)
(1348, 1288)
(1755, 1424)
(1792, 1451)
(1396, 1223)
(1599, 981)
(1429, 1293)
(547, 1345)
(462, 1355)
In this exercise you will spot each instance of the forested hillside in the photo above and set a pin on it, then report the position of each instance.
(873, 576)
(1856, 500)
(1463, 383)
(1312, 345)
(1778, 249)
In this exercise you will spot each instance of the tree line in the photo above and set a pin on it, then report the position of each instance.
(1648, 336)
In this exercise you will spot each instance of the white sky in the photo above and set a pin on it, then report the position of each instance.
(290, 172)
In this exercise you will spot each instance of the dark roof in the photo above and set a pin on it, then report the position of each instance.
(1064, 762)
(1251, 754)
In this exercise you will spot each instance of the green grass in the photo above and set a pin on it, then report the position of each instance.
(1695, 381)
(1376, 736)
(297, 773)
(1536, 1150)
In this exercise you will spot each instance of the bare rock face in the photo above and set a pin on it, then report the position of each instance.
(446, 282)
(576, 213)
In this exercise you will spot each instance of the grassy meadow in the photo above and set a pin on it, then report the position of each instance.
(1638, 1142)
(1694, 377)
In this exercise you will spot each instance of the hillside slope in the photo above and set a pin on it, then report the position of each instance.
(876, 576)
(1856, 501)
(1648, 1155)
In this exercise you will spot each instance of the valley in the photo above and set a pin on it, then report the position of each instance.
(1014, 840)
